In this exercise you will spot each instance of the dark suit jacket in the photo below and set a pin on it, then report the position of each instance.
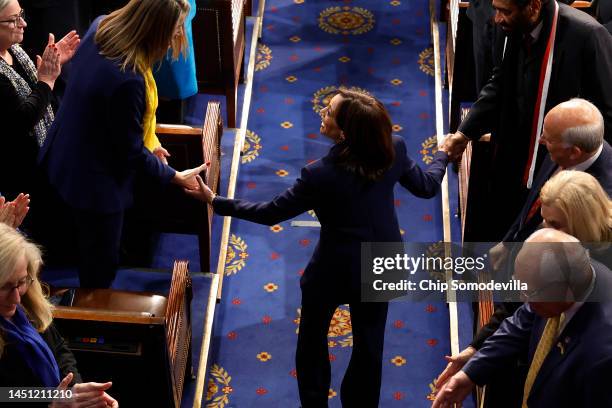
(601, 169)
(582, 66)
(14, 372)
(17, 141)
(576, 371)
(350, 210)
(95, 145)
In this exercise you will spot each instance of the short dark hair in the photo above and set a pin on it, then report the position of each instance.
(367, 148)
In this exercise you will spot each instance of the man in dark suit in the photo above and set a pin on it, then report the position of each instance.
(574, 137)
(573, 134)
(565, 329)
(581, 65)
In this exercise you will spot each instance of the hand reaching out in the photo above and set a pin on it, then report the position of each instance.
(203, 193)
(454, 391)
(187, 178)
(455, 363)
(454, 145)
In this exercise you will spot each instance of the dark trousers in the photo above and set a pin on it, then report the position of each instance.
(361, 383)
(98, 238)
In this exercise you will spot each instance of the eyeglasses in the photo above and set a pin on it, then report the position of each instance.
(21, 285)
(16, 18)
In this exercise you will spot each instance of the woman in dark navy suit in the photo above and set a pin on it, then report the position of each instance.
(101, 134)
(351, 191)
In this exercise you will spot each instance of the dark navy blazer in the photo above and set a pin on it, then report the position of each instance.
(96, 144)
(576, 372)
(350, 210)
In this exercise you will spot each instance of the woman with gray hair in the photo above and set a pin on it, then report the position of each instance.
(26, 95)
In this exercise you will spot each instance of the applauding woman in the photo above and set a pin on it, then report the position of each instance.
(351, 191)
(25, 94)
(105, 129)
(32, 352)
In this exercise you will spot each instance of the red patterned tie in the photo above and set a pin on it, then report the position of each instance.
(535, 207)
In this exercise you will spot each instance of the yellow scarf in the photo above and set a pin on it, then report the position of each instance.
(149, 137)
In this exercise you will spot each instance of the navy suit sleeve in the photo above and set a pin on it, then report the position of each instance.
(293, 201)
(126, 113)
(421, 183)
(503, 347)
(502, 311)
(23, 114)
(596, 385)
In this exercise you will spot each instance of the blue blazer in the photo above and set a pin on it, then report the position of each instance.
(95, 145)
(350, 210)
(576, 372)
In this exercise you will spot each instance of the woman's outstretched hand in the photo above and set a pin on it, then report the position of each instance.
(202, 192)
(187, 178)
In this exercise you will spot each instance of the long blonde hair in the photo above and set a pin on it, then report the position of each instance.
(142, 31)
(35, 303)
(583, 202)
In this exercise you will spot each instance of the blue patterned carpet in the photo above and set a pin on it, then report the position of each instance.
(310, 48)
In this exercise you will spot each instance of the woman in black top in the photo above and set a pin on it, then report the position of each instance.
(32, 352)
(26, 95)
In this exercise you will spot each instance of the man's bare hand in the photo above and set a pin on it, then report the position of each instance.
(454, 391)
(455, 363)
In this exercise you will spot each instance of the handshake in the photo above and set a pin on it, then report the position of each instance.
(454, 144)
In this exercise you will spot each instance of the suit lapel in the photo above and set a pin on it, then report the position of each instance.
(547, 168)
(569, 338)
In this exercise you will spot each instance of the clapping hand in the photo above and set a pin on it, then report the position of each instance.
(202, 193)
(67, 46)
(14, 212)
(48, 66)
(91, 395)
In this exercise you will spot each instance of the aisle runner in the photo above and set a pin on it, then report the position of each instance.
(310, 48)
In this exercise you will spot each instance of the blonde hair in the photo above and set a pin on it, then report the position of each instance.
(141, 32)
(35, 303)
(583, 202)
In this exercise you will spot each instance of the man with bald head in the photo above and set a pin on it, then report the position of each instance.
(565, 328)
(573, 133)
(551, 53)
